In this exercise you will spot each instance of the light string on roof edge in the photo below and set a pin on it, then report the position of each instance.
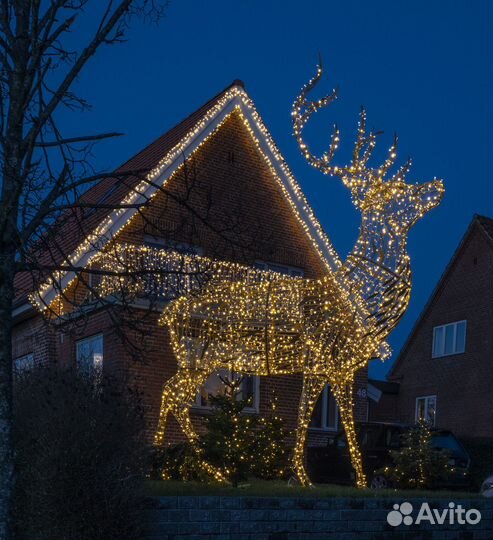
(93, 244)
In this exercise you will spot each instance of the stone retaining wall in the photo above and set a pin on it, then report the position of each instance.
(286, 518)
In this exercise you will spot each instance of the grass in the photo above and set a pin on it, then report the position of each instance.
(279, 488)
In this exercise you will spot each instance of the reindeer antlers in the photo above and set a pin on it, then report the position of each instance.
(356, 173)
(302, 112)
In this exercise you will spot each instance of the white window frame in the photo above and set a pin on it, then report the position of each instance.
(27, 359)
(426, 399)
(97, 369)
(324, 427)
(434, 353)
(197, 404)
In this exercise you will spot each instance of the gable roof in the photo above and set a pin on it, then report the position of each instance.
(485, 224)
(161, 159)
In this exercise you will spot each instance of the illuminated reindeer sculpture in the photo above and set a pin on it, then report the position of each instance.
(261, 323)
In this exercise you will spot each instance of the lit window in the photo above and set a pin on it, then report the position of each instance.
(326, 414)
(426, 409)
(449, 339)
(89, 354)
(280, 268)
(215, 386)
(24, 363)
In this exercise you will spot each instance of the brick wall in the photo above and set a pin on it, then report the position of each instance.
(34, 336)
(461, 382)
(269, 518)
(385, 410)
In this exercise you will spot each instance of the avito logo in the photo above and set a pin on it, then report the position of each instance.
(454, 514)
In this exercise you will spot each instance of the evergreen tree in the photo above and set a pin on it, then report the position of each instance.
(227, 443)
(239, 443)
(417, 465)
(270, 454)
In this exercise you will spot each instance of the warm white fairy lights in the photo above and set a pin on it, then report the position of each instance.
(261, 323)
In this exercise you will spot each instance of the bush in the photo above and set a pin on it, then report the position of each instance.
(269, 451)
(417, 465)
(176, 462)
(481, 454)
(79, 457)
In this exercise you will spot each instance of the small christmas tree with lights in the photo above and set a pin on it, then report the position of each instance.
(417, 465)
(242, 444)
(269, 444)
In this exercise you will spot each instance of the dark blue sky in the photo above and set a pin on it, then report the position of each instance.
(421, 68)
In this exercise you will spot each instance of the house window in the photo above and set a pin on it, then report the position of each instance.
(215, 386)
(165, 243)
(23, 363)
(326, 414)
(426, 409)
(449, 339)
(292, 271)
(89, 354)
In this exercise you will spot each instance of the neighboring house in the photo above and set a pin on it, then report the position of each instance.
(445, 369)
(382, 400)
(233, 172)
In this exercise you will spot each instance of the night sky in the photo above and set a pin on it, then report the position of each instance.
(422, 69)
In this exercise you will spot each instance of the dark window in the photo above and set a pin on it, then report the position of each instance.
(325, 413)
(449, 339)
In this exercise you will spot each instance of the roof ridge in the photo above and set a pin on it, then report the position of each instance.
(486, 224)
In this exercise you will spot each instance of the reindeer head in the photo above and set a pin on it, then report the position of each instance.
(386, 199)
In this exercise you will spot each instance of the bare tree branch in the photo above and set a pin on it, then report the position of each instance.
(83, 138)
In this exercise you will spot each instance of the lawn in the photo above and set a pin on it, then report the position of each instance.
(278, 488)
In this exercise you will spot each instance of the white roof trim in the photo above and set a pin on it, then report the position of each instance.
(233, 99)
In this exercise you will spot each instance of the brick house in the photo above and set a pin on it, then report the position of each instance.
(444, 372)
(242, 205)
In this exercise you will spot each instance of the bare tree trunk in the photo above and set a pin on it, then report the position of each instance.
(9, 244)
(6, 447)
(34, 189)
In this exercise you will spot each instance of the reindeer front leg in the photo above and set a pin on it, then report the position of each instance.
(312, 387)
(178, 392)
(343, 394)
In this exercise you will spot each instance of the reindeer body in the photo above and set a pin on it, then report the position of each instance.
(325, 329)
(277, 326)
(269, 325)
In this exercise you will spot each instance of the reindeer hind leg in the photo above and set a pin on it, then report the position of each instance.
(344, 398)
(170, 391)
(312, 387)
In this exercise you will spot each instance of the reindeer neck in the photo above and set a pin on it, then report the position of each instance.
(379, 267)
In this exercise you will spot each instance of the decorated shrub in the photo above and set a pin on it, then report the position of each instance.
(417, 465)
(237, 442)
